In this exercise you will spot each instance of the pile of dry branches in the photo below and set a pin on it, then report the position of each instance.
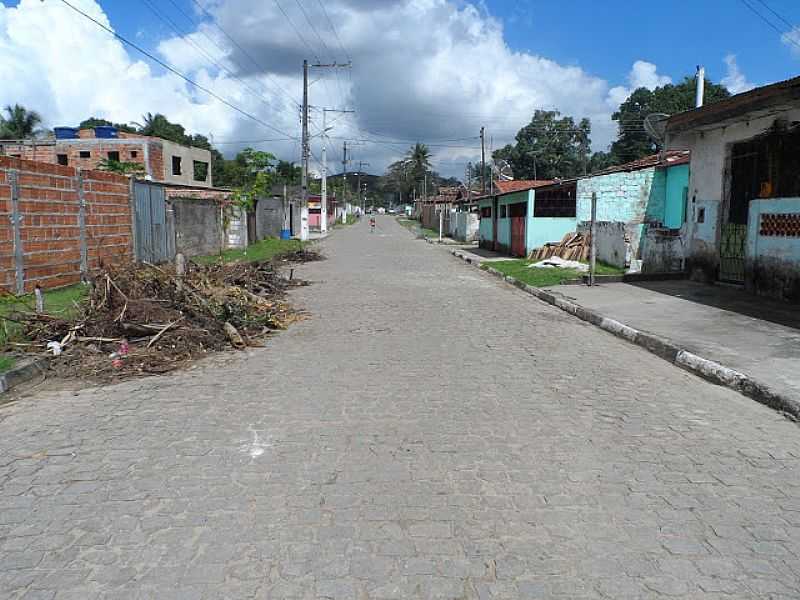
(147, 319)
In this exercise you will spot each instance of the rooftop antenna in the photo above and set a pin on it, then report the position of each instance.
(655, 124)
(502, 170)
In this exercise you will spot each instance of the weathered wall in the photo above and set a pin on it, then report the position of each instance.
(466, 226)
(773, 248)
(188, 156)
(269, 217)
(235, 223)
(198, 226)
(661, 251)
(710, 149)
(676, 196)
(610, 241)
(56, 237)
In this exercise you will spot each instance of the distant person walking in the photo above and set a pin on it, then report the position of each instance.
(372, 224)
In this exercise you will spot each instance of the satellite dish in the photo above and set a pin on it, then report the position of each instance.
(502, 170)
(655, 124)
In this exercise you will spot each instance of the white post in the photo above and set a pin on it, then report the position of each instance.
(592, 242)
(441, 223)
(701, 85)
(323, 213)
(305, 144)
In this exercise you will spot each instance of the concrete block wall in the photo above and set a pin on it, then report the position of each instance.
(46, 236)
(622, 196)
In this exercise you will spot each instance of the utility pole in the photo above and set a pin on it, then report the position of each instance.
(324, 203)
(483, 160)
(361, 165)
(344, 173)
(304, 178)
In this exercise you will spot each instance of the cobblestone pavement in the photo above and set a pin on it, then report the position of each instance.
(428, 433)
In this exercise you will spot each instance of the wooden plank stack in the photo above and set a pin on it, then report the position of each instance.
(574, 246)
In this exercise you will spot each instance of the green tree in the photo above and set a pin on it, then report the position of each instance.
(19, 123)
(632, 141)
(121, 167)
(548, 147)
(92, 122)
(419, 159)
(256, 170)
(288, 173)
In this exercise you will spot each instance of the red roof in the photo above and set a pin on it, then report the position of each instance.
(520, 185)
(670, 158)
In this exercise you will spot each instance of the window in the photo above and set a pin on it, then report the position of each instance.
(503, 211)
(134, 153)
(486, 212)
(200, 170)
(176, 165)
(555, 201)
(113, 156)
(85, 154)
(63, 159)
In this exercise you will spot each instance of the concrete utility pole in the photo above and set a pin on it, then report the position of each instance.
(361, 165)
(483, 160)
(344, 173)
(701, 86)
(592, 241)
(304, 178)
(324, 203)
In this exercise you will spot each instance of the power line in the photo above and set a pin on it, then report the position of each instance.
(230, 38)
(173, 70)
(784, 35)
(770, 9)
(335, 33)
(187, 39)
(314, 29)
(297, 31)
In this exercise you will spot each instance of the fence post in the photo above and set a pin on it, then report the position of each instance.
(16, 225)
(134, 227)
(593, 240)
(82, 226)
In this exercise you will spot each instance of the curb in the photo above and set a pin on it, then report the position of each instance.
(661, 347)
(22, 374)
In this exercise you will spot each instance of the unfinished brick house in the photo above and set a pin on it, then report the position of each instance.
(163, 161)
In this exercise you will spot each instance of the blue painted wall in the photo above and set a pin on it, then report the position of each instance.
(783, 248)
(547, 229)
(676, 192)
(504, 224)
(485, 228)
(620, 196)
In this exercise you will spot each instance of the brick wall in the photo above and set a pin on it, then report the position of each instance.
(49, 223)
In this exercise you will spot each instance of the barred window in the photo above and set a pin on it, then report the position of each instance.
(555, 201)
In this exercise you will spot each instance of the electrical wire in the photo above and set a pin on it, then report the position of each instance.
(259, 66)
(784, 35)
(173, 70)
(335, 33)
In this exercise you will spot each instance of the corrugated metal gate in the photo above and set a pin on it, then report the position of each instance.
(155, 236)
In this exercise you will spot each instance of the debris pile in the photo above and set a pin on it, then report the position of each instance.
(142, 319)
(574, 246)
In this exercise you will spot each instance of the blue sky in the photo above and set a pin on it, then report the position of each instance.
(603, 36)
(423, 70)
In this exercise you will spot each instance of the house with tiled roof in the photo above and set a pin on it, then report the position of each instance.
(521, 216)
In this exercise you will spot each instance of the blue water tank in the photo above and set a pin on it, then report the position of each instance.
(105, 131)
(66, 133)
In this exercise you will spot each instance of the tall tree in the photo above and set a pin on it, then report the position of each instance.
(548, 147)
(419, 159)
(632, 141)
(19, 123)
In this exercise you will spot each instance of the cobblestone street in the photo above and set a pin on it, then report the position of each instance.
(428, 432)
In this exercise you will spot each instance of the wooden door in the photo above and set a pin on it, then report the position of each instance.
(518, 216)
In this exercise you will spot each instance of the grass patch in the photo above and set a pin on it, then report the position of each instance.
(519, 269)
(60, 302)
(6, 362)
(266, 249)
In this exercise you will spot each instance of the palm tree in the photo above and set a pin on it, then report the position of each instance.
(20, 123)
(420, 158)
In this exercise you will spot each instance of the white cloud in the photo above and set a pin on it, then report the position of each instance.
(735, 80)
(792, 40)
(439, 71)
(643, 74)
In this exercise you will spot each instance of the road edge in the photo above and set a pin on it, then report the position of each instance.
(22, 374)
(703, 367)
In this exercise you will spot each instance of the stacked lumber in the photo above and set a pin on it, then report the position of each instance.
(574, 246)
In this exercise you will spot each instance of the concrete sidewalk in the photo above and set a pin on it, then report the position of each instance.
(753, 335)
